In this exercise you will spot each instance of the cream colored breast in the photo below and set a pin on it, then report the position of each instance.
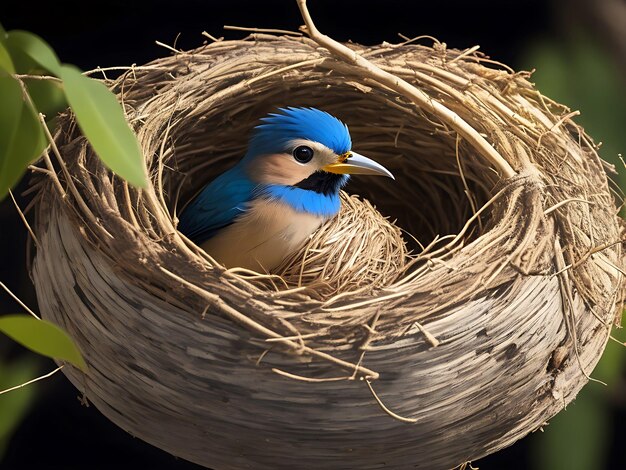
(262, 237)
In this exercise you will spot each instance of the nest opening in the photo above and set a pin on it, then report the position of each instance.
(439, 186)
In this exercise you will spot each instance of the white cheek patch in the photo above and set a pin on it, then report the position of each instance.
(283, 169)
(280, 168)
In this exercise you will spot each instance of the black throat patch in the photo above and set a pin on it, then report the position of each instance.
(323, 182)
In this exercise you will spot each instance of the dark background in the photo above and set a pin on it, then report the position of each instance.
(59, 432)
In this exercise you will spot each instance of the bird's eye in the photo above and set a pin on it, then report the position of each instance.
(303, 154)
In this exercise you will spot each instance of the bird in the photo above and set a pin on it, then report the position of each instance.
(286, 185)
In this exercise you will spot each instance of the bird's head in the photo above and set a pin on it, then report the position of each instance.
(305, 148)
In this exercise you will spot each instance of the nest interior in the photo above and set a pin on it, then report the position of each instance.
(448, 334)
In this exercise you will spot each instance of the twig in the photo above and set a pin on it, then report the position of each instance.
(211, 37)
(567, 301)
(170, 48)
(429, 336)
(68, 177)
(556, 125)
(562, 203)
(284, 69)
(465, 186)
(23, 76)
(262, 30)
(35, 169)
(45, 376)
(586, 256)
(162, 151)
(465, 53)
(23, 217)
(53, 175)
(623, 343)
(309, 379)
(419, 97)
(17, 299)
(387, 410)
(408, 40)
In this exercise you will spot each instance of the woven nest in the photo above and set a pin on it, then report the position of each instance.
(458, 322)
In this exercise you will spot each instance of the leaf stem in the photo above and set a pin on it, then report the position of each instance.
(25, 76)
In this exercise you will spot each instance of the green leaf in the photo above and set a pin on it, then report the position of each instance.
(14, 405)
(21, 135)
(23, 43)
(42, 337)
(6, 63)
(47, 95)
(3, 33)
(101, 118)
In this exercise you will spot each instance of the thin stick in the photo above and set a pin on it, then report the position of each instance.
(70, 182)
(22, 76)
(284, 69)
(387, 410)
(49, 374)
(408, 40)
(53, 175)
(562, 203)
(465, 186)
(17, 299)
(162, 151)
(170, 48)
(465, 53)
(429, 336)
(586, 256)
(211, 37)
(290, 338)
(419, 97)
(125, 68)
(23, 217)
(556, 125)
(310, 379)
(262, 30)
(36, 169)
(623, 343)
(567, 301)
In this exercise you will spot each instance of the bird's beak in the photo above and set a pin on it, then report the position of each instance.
(353, 163)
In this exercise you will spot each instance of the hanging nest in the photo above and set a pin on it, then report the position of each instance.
(460, 320)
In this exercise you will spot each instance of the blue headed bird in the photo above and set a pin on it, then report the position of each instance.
(287, 184)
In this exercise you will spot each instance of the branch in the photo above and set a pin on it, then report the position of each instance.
(416, 95)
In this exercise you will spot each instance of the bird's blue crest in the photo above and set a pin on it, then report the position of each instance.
(291, 123)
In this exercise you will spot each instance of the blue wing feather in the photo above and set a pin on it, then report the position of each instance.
(217, 205)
